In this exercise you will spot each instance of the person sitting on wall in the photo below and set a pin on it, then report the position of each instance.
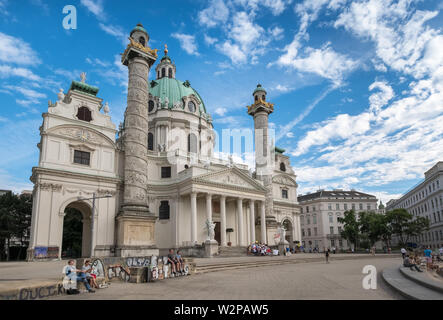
(81, 276)
(70, 279)
(90, 276)
(408, 264)
(180, 261)
(172, 261)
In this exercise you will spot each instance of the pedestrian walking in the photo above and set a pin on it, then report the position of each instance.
(327, 255)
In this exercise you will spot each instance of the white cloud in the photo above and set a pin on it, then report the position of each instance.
(276, 6)
(282, 88)
(95, 7)
(324, 62)
(290, 135)
(220, 111)
(276, 33)
(187, 42)
(233, 51)
(396, 28)
(209, 40)
(116, 32)
(8, 71)
(381, 98)
(15, 50)
(247, 40)
(217, 13)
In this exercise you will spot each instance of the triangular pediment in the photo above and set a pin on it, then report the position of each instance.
(230, 177)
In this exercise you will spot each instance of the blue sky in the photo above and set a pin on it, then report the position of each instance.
(357, 85)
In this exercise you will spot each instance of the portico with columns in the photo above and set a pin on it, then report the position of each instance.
(230, 199)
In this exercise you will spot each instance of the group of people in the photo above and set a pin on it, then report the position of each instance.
(176, 262)
(413, 261)
(84, 275)
(259, 249)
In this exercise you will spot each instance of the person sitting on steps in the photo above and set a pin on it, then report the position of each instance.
(408, 264)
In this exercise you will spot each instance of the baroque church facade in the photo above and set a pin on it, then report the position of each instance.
(154, 182)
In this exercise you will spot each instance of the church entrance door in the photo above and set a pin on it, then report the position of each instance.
(217, 235)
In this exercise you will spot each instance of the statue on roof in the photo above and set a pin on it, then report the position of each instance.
(83, 77)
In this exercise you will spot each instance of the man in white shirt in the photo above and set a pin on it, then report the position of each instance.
(403, 253)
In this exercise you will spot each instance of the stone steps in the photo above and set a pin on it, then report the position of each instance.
(411, 289)
(232, 251)
(241, 265)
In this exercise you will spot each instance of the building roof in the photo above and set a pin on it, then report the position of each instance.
(279, 150)
(334, 194)
(139, 27)
(83, 87)
(259, 88)
(175, 90)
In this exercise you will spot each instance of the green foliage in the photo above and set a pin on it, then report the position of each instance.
(366, 228)
(404, 225)
(15, 221)
(351, 226)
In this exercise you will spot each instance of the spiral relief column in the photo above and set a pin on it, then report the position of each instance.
(136, 224)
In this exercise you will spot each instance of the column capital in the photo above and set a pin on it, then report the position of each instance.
(208, 195)
(252, 201)
(223, 197)
(194, 193)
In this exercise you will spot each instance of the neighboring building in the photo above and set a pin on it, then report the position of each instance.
(425, 200)
(2, 192)
(381, 208)
(164, 181)
(320, 212)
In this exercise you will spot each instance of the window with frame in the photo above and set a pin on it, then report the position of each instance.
(331, 230)
(82, 157)
(150, 141)
(151, 106)
(84, 114)
(282, 167)
(191, 106)
(166, 172)
(192, 143)
(170, 73)
(164, 210)
(284, 193)
(163, 72)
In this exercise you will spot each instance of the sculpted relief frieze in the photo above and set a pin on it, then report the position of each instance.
(284, 180)
(81, 134)
(230, 179)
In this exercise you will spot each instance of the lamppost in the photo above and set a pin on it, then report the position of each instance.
(92, 215)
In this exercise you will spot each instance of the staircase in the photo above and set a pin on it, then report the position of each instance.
(413, 285)
(232, 251)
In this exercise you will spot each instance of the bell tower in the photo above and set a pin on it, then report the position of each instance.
(135, 222)
(166, 68)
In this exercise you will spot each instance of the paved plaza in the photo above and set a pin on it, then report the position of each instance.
(340, 279)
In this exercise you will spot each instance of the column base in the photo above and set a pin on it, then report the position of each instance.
(282, 246)
(211, 248)
(136, 233)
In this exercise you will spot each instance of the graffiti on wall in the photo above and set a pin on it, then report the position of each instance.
(46, 252)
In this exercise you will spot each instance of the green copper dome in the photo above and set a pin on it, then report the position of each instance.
(175, 90)
(139, 27)
(259, 88)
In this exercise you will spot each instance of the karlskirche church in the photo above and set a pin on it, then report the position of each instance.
(153, 182)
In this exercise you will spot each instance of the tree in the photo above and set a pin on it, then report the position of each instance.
(374, 227)
(404, 225)
(15, 221)
(351, 228)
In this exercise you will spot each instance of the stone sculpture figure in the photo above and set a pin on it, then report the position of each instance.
(60, 95)
(210, 226)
